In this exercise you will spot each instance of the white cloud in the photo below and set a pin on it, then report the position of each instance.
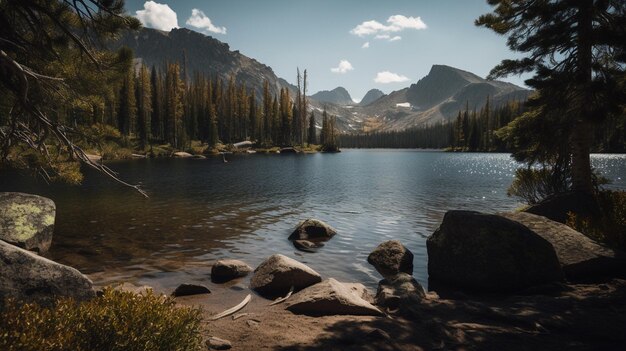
(344, 67)
(157, 16)
(382, 36)
(365, 45)
(396, 38)
(387, 77)
(396, 23)
(199, 20)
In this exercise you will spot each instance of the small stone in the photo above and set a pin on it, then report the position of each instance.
(214, 343)
(225, 270)
(313, 230)
(190, 289)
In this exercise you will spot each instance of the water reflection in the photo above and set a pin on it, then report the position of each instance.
(203, 210)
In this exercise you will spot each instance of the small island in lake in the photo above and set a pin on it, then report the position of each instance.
(260, 175)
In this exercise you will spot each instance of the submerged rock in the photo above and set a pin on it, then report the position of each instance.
(225, 270)
(27, 221)
(276, 275)
(190, 289)
(580, 257)
(28, 277)
(483, 252)
(391, 258)
(328, 298)
(307, 246)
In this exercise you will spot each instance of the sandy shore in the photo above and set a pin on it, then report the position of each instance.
(573, 317)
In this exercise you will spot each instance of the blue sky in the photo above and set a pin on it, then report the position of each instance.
(328, 37)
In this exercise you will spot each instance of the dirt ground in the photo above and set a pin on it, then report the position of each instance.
(563, 317)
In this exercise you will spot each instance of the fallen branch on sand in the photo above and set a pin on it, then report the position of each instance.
(232, 310)
(282, 299)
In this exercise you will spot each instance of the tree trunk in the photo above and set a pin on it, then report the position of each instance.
(582, 131)
(581, 163)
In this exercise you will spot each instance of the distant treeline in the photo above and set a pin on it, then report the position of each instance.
(475, 131)
(172, 106)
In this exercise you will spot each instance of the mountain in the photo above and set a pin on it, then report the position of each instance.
(203, 54)
(371, 96)
(437, 98)
(337, 96)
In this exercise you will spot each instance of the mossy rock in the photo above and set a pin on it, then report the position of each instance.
(27, 221)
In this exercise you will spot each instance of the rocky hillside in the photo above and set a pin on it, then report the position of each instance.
(438, 97)
(202, 54)
(337, 96)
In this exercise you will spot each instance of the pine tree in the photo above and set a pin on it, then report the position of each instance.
(144, 106)
(576, 49)
(127, 112)
(156, 120)
(312, 137)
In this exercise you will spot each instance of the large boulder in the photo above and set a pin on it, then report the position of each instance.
(580, 257)
(391, 258)
(399, 291)
(27, 220)
(276, 275)
(483, 252)
(313, 230)
(328, 298)
(28, 277)
(225, 270)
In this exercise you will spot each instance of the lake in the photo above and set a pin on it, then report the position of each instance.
(202, 210)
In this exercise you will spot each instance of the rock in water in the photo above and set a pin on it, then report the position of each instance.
(328, 298)
(27, 221)
(312, 230)
(225, 270)
(190, 289)
(28, 277)
(182, 154)
(581, 258)
(307, 246)
(399, 291)
(214, 343)
(483, 252)
(391, 258)
(277, 274)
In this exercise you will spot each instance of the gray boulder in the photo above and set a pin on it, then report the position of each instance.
(27, 221)
(391, 258)
(28, 277)
(328, 298)
(580, 257)
(476, 251)
(399, 291)
(277, 274)
(312, 230)
(225, 270)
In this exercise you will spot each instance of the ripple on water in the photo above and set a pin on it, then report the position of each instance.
(201, 211)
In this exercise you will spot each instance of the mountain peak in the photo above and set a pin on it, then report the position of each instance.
(338, 96)
(371, 96)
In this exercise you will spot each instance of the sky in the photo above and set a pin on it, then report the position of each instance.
(356, 44)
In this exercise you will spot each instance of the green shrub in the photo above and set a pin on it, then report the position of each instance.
(114, 321)
(534, 185)
(610, 225)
